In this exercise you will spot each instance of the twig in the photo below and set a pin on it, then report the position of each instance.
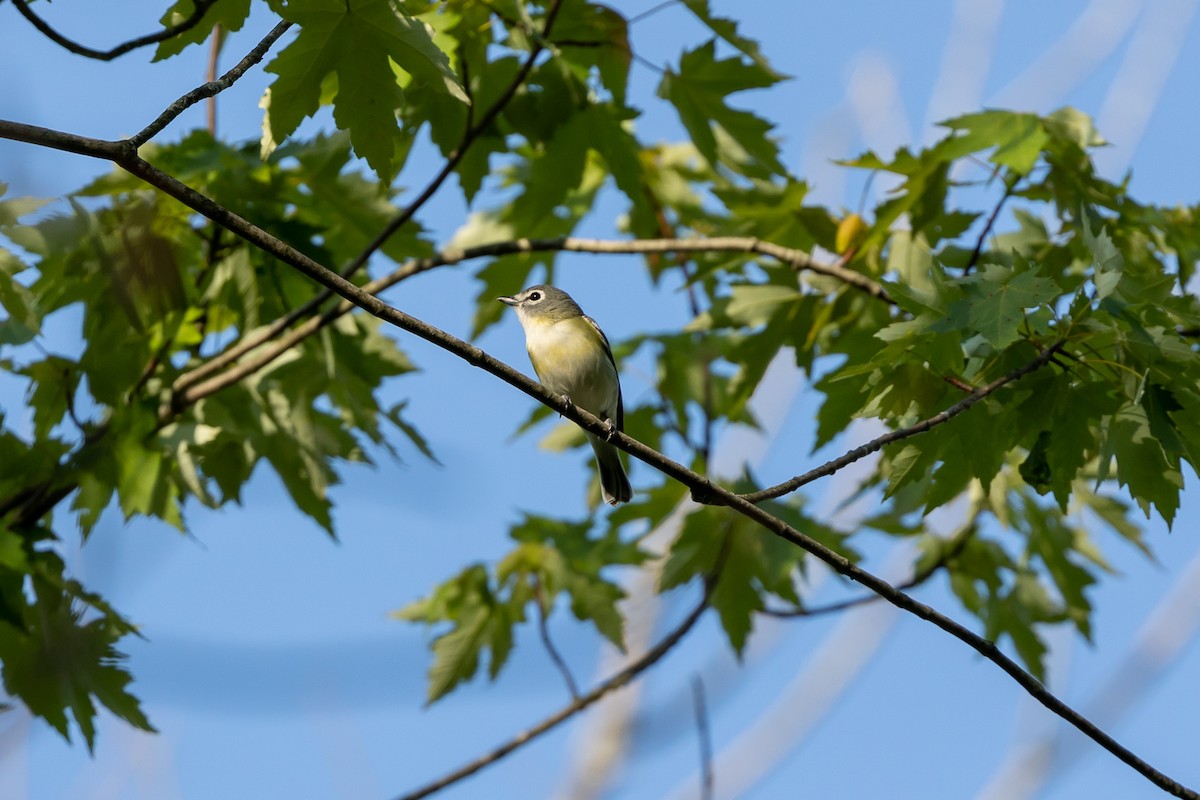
(1009, 188)
(702, 489)
(199, 9)
(69, 386)
(916, 580)
(618, 680)
(544, 632)
(210, 89)
(650, 11)
(830, 467)
(705, 736)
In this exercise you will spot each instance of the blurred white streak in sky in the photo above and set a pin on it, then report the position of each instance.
(148, 770)
(1138, 85)
(874, 94)
(1093, 37)
(966, 61)
(14, 752)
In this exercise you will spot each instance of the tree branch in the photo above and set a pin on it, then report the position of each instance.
(548, 643)
(199, 9)
(916, 580)
(651, 657)
(1009, 188)
(703, 490)
(830, 467)
(209, 89)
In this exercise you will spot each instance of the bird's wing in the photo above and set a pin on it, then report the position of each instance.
(620, 418)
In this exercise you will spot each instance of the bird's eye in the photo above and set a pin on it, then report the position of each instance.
(535, 296)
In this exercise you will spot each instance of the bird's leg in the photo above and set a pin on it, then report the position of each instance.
(610, 430)
(566, 398)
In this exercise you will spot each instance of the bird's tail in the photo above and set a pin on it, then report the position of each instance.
(613, 481)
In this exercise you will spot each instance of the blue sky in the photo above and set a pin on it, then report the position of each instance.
(272, 668)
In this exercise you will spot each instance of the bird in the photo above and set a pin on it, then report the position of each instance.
(572, 358)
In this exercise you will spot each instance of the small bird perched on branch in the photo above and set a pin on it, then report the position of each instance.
(572, 358)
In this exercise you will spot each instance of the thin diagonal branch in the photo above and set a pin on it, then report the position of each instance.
(916, 580)
(651, 657)
(555, 656)
(209, 89)
(199, 9)
(1009, 188)
(830, 467)
(702, 489)
(472, 133)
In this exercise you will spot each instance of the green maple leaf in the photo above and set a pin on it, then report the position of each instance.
(998, 297)
(1110, 264)
(60, 663)
(1143, 466)
(727, 29)
(479, 621)
(751, 563)
(229, 14)
(456, 653)
(355, 45)
(1018, 138)
(699, 91)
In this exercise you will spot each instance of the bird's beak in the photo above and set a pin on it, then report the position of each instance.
(508, 301)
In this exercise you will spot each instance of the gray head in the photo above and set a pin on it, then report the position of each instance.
(544, 304)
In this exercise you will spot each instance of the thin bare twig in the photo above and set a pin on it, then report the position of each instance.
(199, 9)
(651, 11)
(1009, 188)
(651, 657)
(916, 580)
(544, 632)
(830, 467)
(209, 89)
